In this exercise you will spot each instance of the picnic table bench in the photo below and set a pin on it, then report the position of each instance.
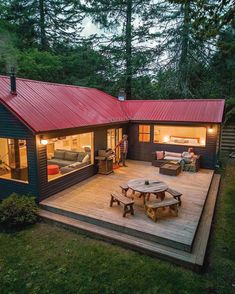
(124, 189)
(177, 195)
(127, 203)
(152, 208)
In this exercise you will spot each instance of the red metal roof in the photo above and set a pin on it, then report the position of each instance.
(46, 106)
(185, 110)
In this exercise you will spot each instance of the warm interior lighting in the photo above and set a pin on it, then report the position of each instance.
(44, 142)
(180, 135)
(69, 153)
(210, 130)
(166, 139)
(144, 133)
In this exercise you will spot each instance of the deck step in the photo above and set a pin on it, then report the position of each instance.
(193, 260)
(144, 246)
(119, 228)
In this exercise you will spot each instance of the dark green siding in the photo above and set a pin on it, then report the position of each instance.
(12, 127)
(49, 188)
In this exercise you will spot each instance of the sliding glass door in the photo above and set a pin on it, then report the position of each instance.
(113, 138)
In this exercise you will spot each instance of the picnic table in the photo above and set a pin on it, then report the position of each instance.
(145, 187)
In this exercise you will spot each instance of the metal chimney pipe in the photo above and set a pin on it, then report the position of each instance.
(13, 82)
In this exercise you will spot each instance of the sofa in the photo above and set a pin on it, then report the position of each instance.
(69, 160)
(192, 165)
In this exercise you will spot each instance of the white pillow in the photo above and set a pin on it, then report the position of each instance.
(86, 158)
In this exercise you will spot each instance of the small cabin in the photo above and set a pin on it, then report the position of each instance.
(50, 133)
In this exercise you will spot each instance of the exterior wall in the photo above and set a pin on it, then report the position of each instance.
(11, 127)
(46, 188)
(142, 151)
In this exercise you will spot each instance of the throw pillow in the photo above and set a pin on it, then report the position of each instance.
(173, 154)
(75, 165)
(71, 156)
(81, 155)
(59, 154)
(86, 158)
(159, 155)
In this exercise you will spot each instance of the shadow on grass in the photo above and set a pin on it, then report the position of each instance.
(16, 229)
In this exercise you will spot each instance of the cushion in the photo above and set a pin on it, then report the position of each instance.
(173, 158)
(59, 154)
(72, 156)
(80, 156)
(75, 164)
(184, 140)
(172, 154)
(86, 158)
(159, 155)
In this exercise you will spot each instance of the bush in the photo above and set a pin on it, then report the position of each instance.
(18, 211)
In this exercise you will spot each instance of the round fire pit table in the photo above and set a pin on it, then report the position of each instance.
(145, 187)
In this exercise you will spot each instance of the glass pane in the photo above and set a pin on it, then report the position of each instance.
(180, 135)
(144, 137)
(70, 153)
(144, 129)
(111, 138)
(13, 159)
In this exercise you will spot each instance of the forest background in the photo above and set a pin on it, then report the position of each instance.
(145, 49)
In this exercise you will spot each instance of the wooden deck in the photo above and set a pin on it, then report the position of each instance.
(89, 201)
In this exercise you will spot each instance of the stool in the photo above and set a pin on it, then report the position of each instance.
(53, 169)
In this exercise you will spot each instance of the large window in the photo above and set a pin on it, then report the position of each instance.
(144, 133)
(180, 135)
(69, 154)
(13, 159)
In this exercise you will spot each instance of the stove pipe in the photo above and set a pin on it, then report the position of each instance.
(13, 82)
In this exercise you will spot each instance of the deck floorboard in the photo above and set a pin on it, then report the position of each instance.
(91, 198)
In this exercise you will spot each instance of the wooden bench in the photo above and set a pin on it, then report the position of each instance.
(124, 189)
(152, 208)
(126, 202)
(177, 195)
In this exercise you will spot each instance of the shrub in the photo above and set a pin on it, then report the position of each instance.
(18, 211)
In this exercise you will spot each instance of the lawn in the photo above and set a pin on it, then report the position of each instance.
(47, 259)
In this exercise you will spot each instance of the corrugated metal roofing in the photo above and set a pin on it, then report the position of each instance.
(47, 106)
(185, 110)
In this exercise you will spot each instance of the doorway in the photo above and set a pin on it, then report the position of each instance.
(113, 138)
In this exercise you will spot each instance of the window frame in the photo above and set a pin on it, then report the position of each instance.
(184, 126)
(77, 170)
(144, 133)
(26, 145)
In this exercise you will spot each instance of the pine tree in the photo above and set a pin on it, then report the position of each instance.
(181, 50)
(125, 39)
(44, 23)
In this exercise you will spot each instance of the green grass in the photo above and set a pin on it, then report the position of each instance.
(47, 259)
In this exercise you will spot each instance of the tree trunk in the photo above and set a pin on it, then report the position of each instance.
(184, 61)
(43, 40)
(128, 45)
